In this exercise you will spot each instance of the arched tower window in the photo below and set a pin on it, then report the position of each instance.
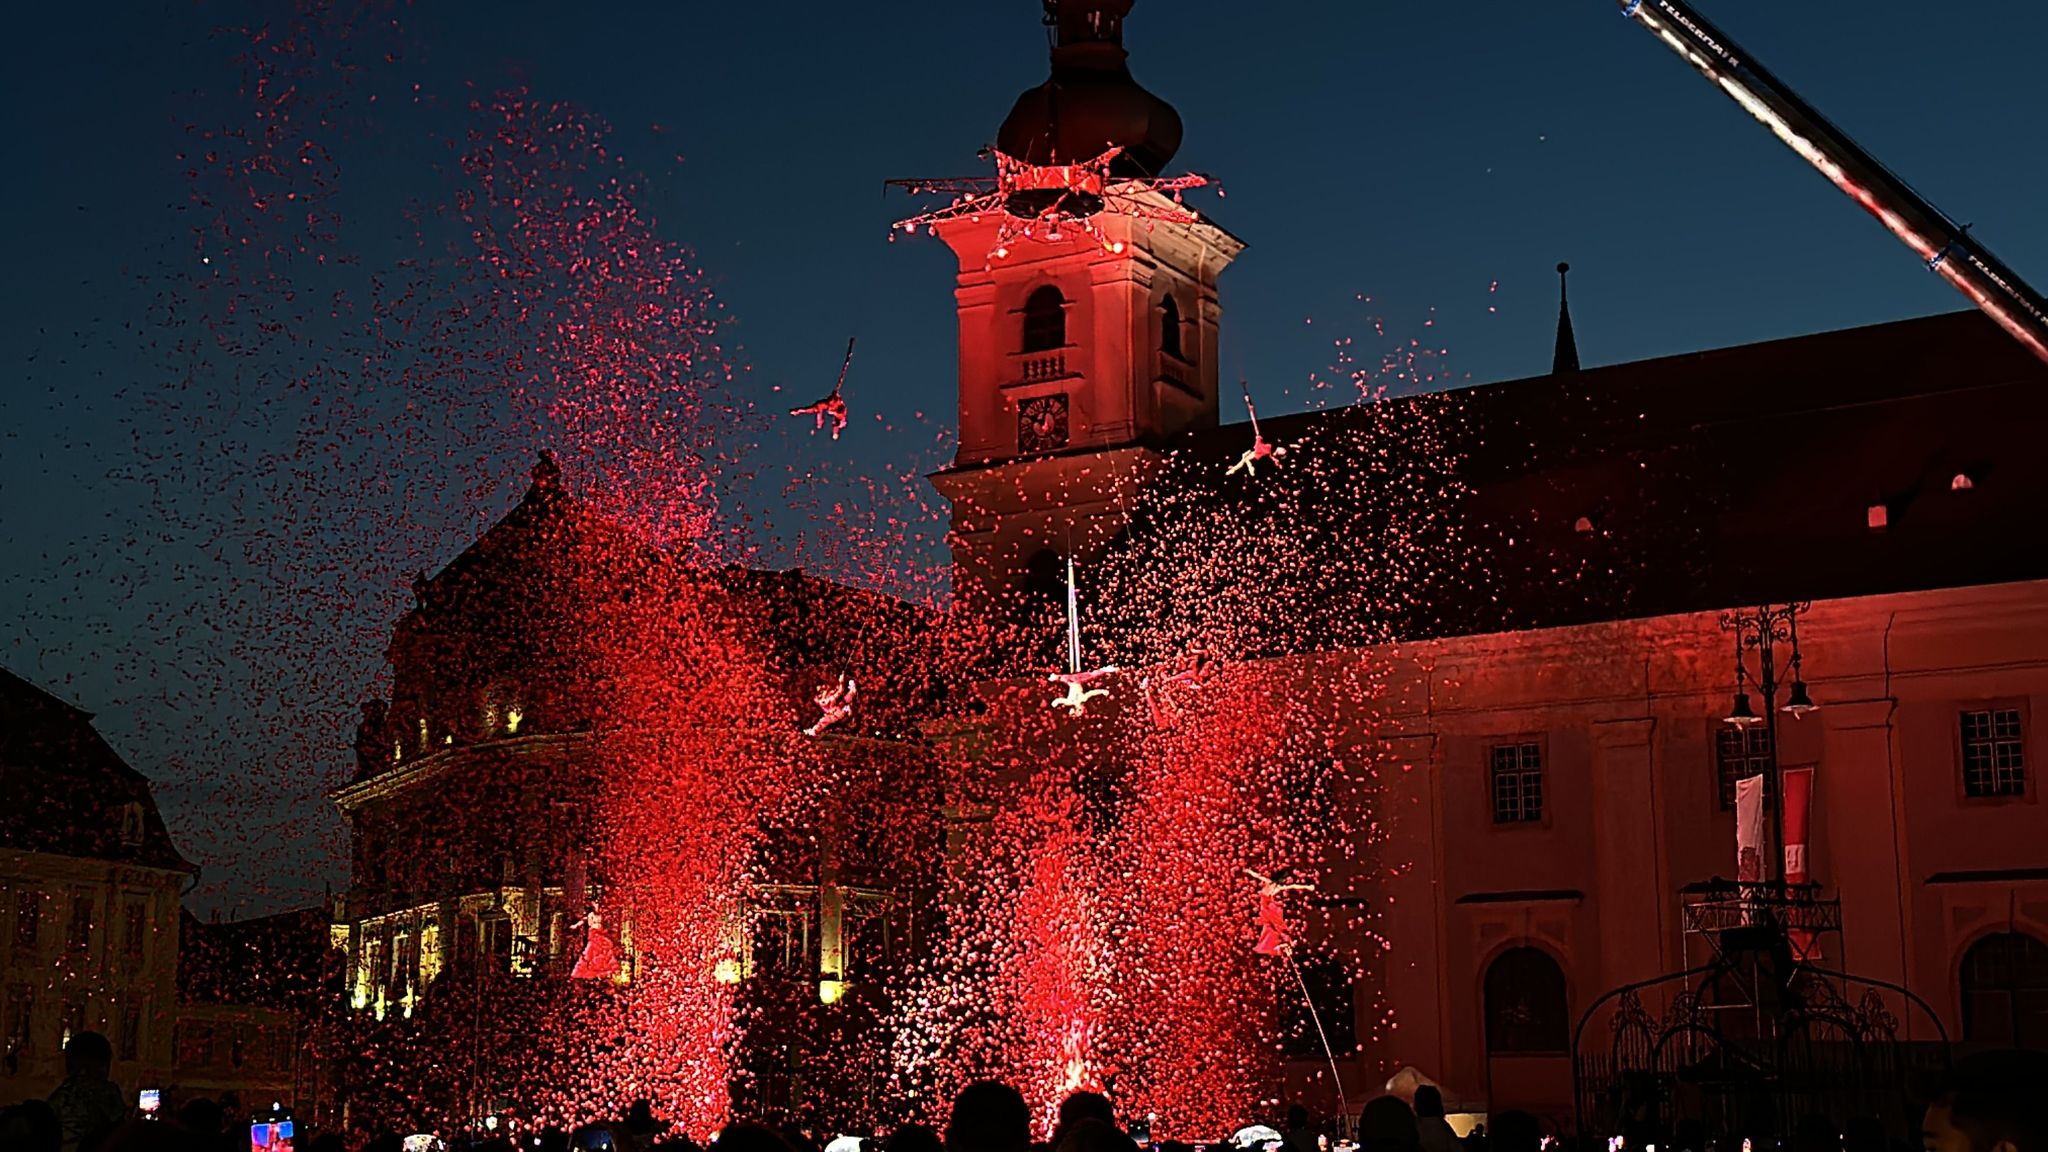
(2004, 982)
(1169, 328)
(1045, 320)
(1525, 1005)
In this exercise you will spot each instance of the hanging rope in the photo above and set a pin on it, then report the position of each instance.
(1343, 1102)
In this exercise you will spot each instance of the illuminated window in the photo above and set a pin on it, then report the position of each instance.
(404, 959)
(1740, 753)
(1517, 783)
(2004, 991)
(497, 940)
(376, 961)
(867, 937)
(1045, 320)
(465, 945)
(1525, 1005)
(785, 939)
(1169, 328)
(1994, 753)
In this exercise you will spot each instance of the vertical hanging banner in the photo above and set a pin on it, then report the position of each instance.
(1749, 829)
(1798, 803)
(1798, 808)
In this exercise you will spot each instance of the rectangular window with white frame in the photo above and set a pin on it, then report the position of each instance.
(1994, 752)
(1517, 779)
(1739, 753)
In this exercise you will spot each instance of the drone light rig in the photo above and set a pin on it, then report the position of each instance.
(1944, 246)
(1053, 203)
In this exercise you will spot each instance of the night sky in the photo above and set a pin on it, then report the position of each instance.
(1416, 154)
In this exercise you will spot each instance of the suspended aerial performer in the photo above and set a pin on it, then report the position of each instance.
(600, 958)
(833, 406)
(1155, 690)
(1274, 941)
(835, 702)
(1260, 449)
(1272, 922)
(1076, 680)
(1078, 693)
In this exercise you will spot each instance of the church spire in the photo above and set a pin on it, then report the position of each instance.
(1566, 357)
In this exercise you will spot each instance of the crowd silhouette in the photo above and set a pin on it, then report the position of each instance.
(1989, 1102)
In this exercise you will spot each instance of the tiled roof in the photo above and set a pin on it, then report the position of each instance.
(1680, 484)
(68, 793)
(553, 566)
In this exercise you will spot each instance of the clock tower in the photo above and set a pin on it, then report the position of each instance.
(1080, 355)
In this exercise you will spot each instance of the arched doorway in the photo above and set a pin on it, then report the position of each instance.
(2003, 984)
(1528, 1032)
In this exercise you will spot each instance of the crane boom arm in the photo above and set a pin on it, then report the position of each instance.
(1945, 247)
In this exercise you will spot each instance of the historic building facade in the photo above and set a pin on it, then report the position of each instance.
(487, 816)
(1545, 746)
(1543, 750)
(91, 883)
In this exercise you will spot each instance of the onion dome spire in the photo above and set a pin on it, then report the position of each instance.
(1090, 103)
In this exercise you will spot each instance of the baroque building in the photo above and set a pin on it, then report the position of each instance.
(479, 810)
(1516, 638)
(91, 883)
(1504, 605)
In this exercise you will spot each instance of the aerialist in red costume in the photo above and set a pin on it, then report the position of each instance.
(834, 405)
(1260, 449)
(1273, 937)
(600, 958)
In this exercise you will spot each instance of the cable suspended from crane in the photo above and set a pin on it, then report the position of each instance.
(1944, 246)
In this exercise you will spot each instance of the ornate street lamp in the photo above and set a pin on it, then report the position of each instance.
(1762, 630)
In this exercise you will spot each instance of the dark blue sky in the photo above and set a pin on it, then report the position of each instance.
(1412, 152)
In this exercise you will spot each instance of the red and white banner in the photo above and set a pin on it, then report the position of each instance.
(1798, 805)
(1749, 829)
(1798, 810)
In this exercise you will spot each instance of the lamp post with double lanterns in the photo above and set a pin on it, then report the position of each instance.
(1767, 631)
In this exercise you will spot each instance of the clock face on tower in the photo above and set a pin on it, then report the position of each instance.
(1042, 423)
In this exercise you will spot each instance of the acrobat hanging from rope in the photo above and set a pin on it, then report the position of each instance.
(1272, 922)
(1155, 690)
(1260, 449)
(600, 958)
(1275, 941)
(1078, 693)
(834, 405)
(835, 702)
